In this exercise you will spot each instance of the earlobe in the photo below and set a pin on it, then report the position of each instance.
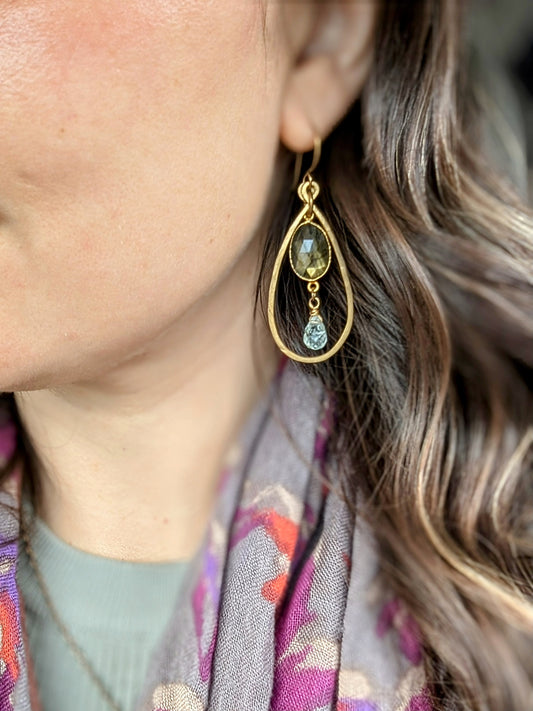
(329, 76)
(315, 98)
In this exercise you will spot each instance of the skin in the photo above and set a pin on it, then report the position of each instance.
(139, 143)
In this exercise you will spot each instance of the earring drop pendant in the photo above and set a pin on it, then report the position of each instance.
(315, 335)
(310, 257)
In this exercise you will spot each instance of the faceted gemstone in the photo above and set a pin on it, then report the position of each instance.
(315, 334)
(310, 252)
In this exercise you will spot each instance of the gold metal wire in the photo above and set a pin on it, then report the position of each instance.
(314, 304)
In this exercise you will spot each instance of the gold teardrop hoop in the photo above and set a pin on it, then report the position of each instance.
(308, 191)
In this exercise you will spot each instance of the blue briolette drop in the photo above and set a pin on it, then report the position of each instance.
(315, 335)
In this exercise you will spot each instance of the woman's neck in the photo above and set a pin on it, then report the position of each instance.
(130, 462)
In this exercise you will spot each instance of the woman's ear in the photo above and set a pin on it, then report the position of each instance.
(328, 75)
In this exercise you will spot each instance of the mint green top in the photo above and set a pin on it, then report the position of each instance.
(115, 610)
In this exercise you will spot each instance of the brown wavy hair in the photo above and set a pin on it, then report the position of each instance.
(434, 386)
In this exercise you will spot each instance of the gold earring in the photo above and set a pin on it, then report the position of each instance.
(310, 242)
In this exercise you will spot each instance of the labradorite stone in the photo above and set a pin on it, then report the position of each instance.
(315, 334)
(310, 252)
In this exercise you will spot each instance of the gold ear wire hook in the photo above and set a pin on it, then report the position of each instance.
(297, 170)
(317, 148)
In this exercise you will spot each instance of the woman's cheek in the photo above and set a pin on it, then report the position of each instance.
(138, 153)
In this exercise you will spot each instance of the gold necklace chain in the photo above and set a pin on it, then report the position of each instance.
(74, 647)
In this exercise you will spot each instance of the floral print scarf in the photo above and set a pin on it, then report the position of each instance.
(283, 610)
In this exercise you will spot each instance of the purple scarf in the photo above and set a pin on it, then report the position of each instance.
(284, 609)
